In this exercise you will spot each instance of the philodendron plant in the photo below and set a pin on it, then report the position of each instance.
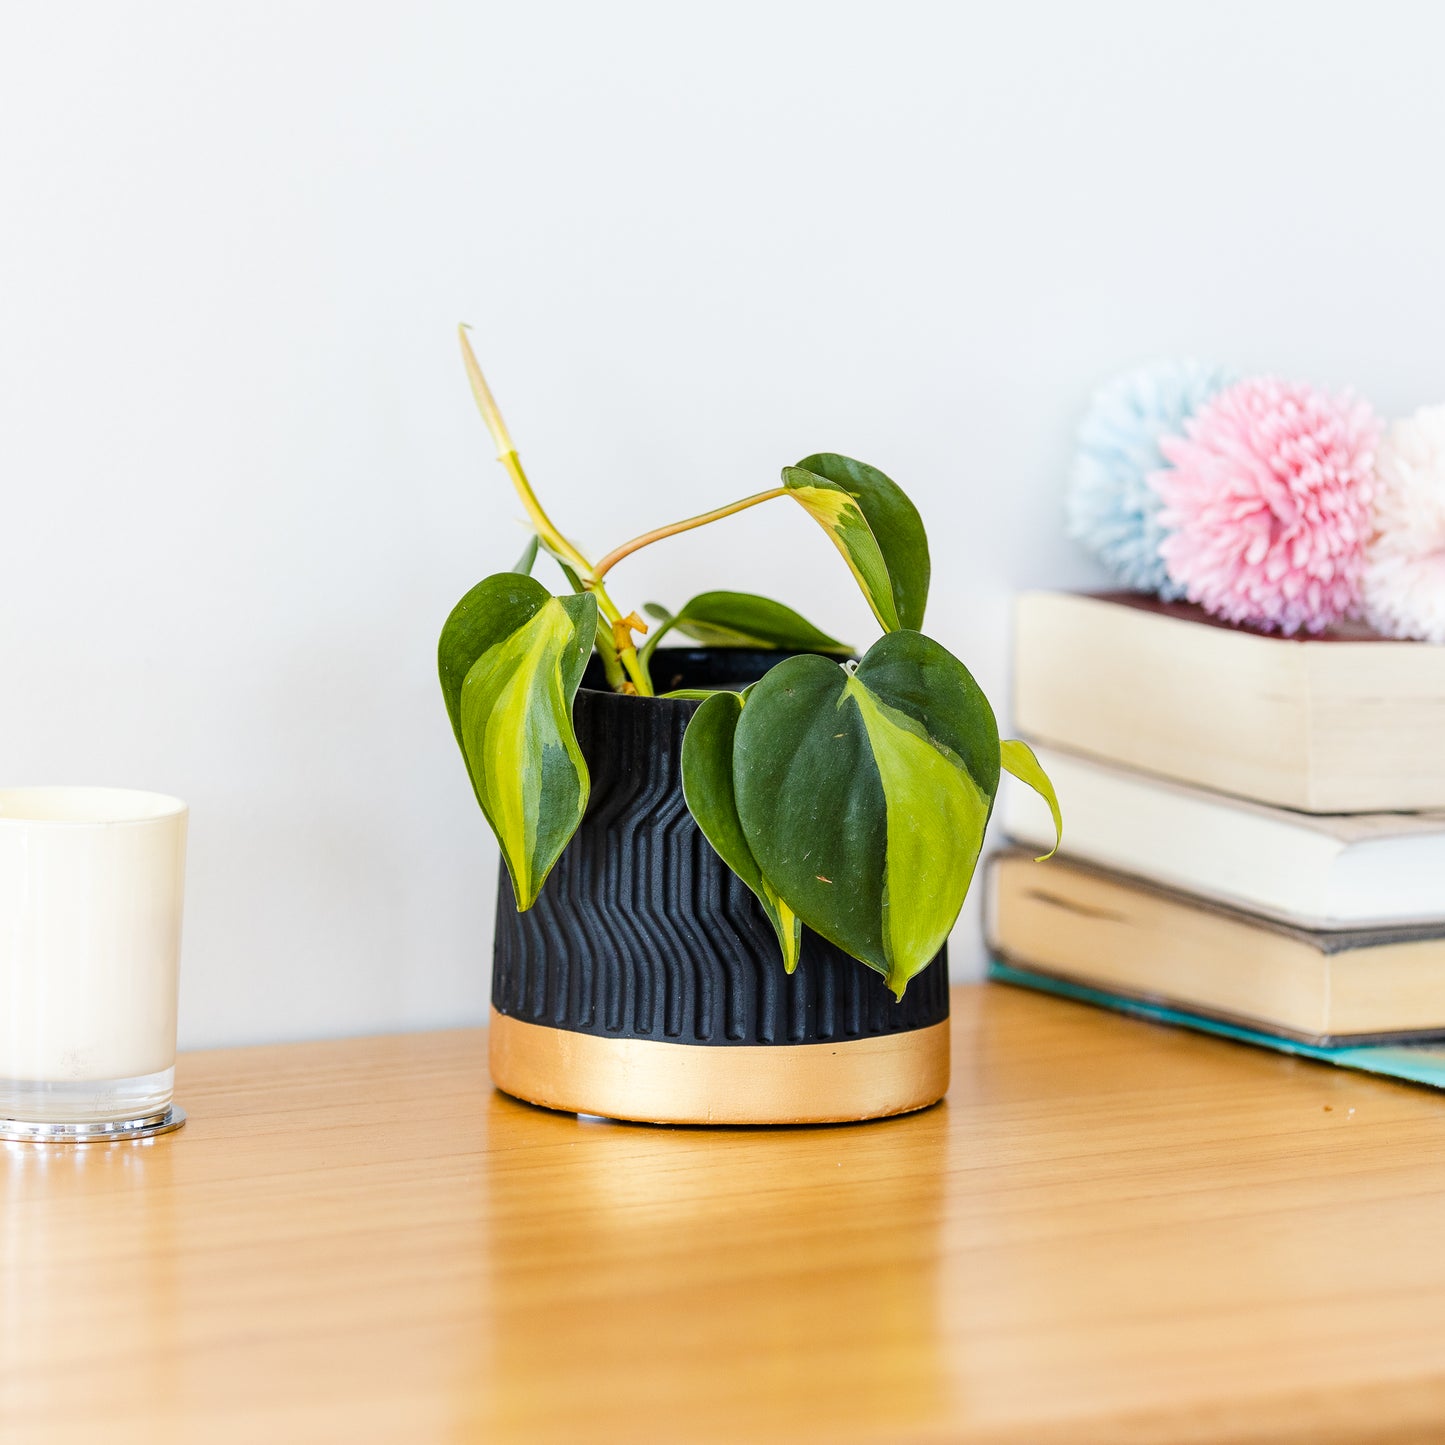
(850, 796)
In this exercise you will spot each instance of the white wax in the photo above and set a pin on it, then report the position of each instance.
(91, 883)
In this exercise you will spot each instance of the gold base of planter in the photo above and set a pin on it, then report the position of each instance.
(666, 1083)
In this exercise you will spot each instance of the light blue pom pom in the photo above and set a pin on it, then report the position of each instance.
(1111, 508)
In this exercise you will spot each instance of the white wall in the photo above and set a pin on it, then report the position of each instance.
(243, 482)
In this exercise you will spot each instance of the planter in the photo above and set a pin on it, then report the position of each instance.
(646, 982)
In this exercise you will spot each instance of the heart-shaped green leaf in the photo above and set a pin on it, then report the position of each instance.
(875, 527)
(511, 659)
(863, 798)
(494, 609)
(707, 784)
(742, 619)
(1018, 758)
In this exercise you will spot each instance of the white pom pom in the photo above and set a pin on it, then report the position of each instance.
(1405, 565)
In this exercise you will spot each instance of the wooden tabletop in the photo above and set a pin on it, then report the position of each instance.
(1108, 1231)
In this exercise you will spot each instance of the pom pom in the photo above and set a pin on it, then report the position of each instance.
(1268, 504)
(1110, 506)
(1405, 562)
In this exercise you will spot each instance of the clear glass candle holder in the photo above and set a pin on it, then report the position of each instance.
(91, 887)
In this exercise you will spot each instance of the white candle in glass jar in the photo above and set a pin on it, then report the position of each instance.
(91, 886)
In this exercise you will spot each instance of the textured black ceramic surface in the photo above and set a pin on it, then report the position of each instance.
(643, 932)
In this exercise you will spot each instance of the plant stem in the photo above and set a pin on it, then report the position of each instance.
(660, 630)
(554, 541)
(627, 656)
(658, 533)
(557, 544)
(607, 650)
(542, 524)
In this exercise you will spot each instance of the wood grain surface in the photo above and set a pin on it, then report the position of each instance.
(1108, 1231)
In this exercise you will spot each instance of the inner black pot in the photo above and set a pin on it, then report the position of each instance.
(643, 932)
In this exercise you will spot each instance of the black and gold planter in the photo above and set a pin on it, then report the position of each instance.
(646, 982)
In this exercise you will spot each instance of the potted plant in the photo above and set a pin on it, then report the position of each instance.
(728, 871)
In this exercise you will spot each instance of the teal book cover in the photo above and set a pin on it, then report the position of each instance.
(1415, 1063)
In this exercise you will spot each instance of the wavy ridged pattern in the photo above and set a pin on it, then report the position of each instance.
(643, 932)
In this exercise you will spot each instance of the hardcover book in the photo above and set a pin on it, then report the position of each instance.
(1346, 723)
(1320, 871)
(1108, 932)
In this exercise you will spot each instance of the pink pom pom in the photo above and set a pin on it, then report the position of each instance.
(1268, 500)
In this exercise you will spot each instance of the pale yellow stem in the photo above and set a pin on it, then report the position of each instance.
(486, 402)
(507, 454)
(552, 539)
(658, 533)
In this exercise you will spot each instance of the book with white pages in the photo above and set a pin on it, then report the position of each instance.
(1313, 870)
(1102, 930)
(1347, 722)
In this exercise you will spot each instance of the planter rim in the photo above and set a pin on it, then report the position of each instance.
(747, 664)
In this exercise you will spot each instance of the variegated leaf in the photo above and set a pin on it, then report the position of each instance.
(742, 619)
(707, 783)
(863, 798)
(511, 659)
(875, 527)
(1018, 758)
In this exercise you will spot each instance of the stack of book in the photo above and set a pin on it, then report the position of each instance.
(1254, 829)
